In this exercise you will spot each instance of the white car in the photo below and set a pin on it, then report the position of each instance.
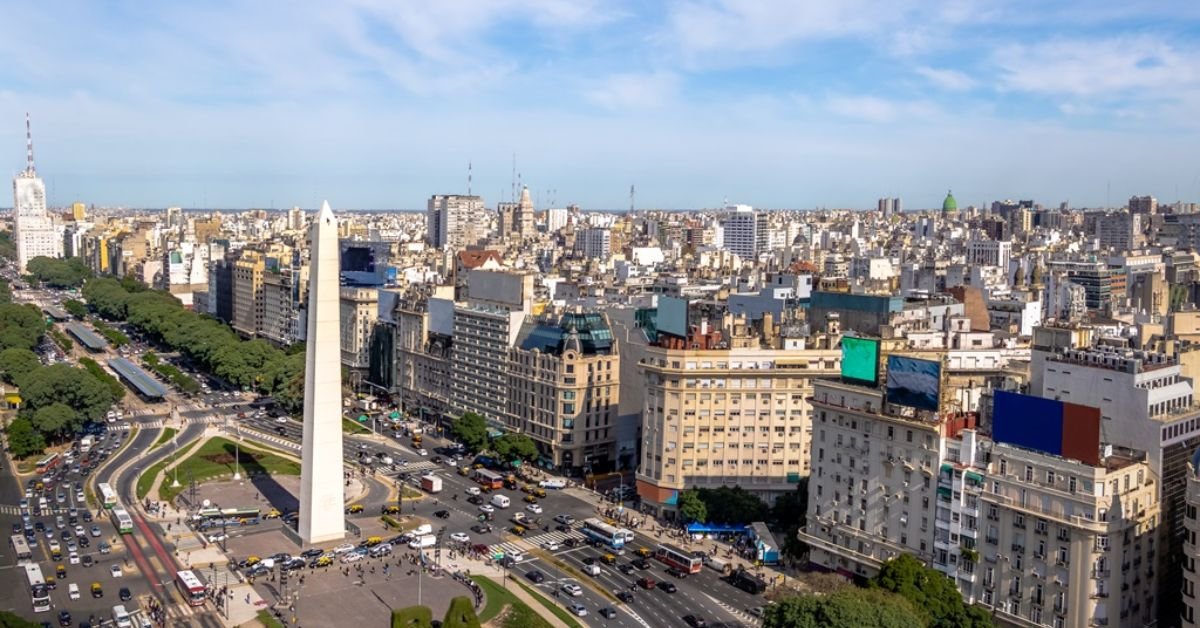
(473, 490)
(116, 571)
(73, 591)
(281, 419)
(534, 508)
(461, 537)
(578, 609)
(79, 531)
(422, 452)
(54, 546)
(217, 538)
(551, 546)
(352, 557)
(343, 548)
(572, 589)
(487, 508)
(73, 557)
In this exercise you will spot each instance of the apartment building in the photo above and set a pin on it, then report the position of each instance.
(727, 416)
(285, 296)
(564, 389)
(247, 305)
(424, 340)
(1189, 616)
(359, 309)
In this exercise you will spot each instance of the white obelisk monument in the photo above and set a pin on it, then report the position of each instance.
(322, 493)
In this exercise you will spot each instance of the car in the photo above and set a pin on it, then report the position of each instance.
(757, 611)
(481, 528)
(565, 529)
(311, 553)
(73, 591)
(578, 609)
(83, 541)
(281, 419)
(125, 594)
(79, 531)
(677, 572)
(461, 537)
(534, 508)
(64, 618)
(442, 514)
(352, 557)
(646, 583)
(72, 546)
(97, 590)
(535, 576)
(217, 538)
(87, 517)
(473, 490)
(282, 557)
(572, 589)
(487, 508)
(88, 561)
(54, 546)
(73, 558)
(422, 452)
(475, 499)
(589, 560)
(115, 570)
(104, 547)
(626, 569)
(355, 509)
(607, 612)
(695, 621)
(640, 563)
(343, 548)
(96, 533)
(669, 587)
(551, 546)
(564, 519)
(530, 499)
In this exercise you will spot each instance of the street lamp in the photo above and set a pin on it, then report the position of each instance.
(237, 456)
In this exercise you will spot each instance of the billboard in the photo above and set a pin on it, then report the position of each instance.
(1047, 425)
(913, 383)
(860, 360)
(672, 316)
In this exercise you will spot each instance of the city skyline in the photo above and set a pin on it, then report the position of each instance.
(695, 103)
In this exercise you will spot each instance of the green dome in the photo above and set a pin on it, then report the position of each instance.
(949, 205)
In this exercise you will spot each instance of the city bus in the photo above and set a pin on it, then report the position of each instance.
(107, 495)
(21, 548)
(122, 520)
(39, 593)
(48, 463)
(597, 530)
(232, 513)
(191, 587)
(674, 557)
(490, 479)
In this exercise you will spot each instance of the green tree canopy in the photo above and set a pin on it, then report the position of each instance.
(512, 447)
(733, 505)
(17, 363)
(931, 592)
(87, 397)
(790, 513)
(59, 273)
(691, 507)
(21, 326)
(23, 439)
(412, 617)
(107, 297)
(5, 291)
(849, 607)
(113, 384)
(470, 429)
(461, 614)
(75, 308)
(56, 419)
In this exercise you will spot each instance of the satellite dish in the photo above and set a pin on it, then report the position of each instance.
(206, 503)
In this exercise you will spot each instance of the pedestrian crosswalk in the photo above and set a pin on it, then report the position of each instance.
(9, 509)
(415, 467)
(540, 539)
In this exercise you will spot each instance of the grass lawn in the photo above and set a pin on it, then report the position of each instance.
(146, 479)
(167, 435)
(558, 611)
(215, 459)
(353, 427)
(522, 615)
(268, 620)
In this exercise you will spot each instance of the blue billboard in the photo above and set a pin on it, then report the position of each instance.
(913, 383)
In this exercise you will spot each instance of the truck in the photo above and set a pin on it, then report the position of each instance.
(552, 484)
(431, 483)
(85, 444)
(718, 564)
(500, 501)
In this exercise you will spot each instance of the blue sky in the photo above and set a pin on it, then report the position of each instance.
(800, 104)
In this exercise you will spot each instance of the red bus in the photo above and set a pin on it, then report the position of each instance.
(679, 559)
(48, 463)
(490, 479)
(191, 588)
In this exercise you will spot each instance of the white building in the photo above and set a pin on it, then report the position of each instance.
(745, 231)
(989, 253)
(34, 231)
(556, 218)
(453, 220)
(594, 243)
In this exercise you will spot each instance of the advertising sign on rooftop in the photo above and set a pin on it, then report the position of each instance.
(913, 383)
(1047, 425)
(860, 360)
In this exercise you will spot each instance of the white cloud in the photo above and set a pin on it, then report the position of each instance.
(635, 91)
(1097, 68)
(947, 79)
(878, 110)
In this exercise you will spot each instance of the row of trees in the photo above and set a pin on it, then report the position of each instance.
(58, 400)
(213, 347)
(58, 273)
(905, 594)
(471, 430)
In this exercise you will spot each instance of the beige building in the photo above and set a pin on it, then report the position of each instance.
(360, 308)
(727, 417)
(247, 293)
(1190, 615)
(285, 295)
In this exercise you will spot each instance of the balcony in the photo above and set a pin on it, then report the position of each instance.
(1101, 573)
(1099, 594)
(1098, 621)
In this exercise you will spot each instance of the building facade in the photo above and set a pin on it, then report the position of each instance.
(359, 309)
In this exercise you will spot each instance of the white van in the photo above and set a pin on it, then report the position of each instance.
(422, 542)
(501, 501)
(73, 591)
(121, 617)
(422, 530)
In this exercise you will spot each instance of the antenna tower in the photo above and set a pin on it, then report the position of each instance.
(468, 178)
(632, 196)
(28, 145)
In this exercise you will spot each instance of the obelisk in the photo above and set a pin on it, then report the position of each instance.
(322, 515)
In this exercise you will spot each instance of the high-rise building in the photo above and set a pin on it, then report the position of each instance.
(746, 231)
(175, 218)
(247, 307)
(452, 220)
(359, 309)
(78, 211)
(556, 218)
(1143, 205)
(989, 253)
(33, 228)
(1120, 231)
(594, 243)
(890, 206)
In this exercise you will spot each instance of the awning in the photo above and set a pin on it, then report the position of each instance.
(944, 490)
(973, 476)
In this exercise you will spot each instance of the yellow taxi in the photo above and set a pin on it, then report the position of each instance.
(530, 499)
(272, 514)
(97, 590)
(464, 471)
(608, 559)
(644, 552)
(355, 509)
(323, 561)
(60, 571)
(374, 540)
(391, 509)
(518, 530)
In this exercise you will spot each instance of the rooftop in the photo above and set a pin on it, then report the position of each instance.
(86, 336)
(140, 379)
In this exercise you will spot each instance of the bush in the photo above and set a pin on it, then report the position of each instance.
(461, 614)
(412, 617)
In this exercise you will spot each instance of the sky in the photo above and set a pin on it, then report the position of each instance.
(778, 104)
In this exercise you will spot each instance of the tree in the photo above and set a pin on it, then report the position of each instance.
(75, 308)
(5, 292)
(17, 363)
(471, 430)
(113, 384)
(412, 617)
(512, 447)
(691, 507)
(733, 505)
(849, 607)
(931, 592)
(789, 513)
(23, 439)
(21, 326)
(56, 419)
(58, 273)
(461, 614)
(74, 387)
